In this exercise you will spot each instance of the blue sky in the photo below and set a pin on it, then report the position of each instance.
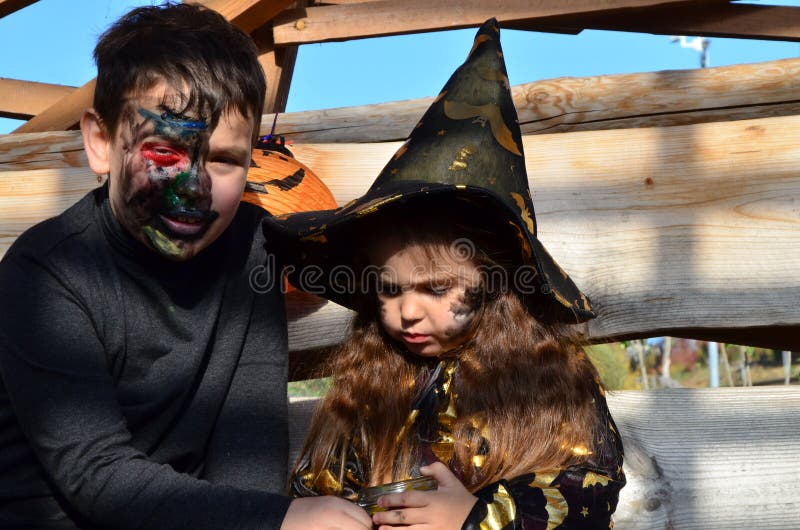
(51, 41)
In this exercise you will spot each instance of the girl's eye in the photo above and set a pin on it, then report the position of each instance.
(387, 290)
(162, 155)
(438, 290)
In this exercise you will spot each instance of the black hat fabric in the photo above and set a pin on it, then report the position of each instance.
(466, 150)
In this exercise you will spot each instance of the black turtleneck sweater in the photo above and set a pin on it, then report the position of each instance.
(136, 392)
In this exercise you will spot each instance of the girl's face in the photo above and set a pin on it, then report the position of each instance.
(425, 304)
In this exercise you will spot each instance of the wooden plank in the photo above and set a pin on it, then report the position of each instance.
(50, 150)
(248, 14)
(652, 99)
(62, 115)
(278, 65)
(66, 112)
(724, 20)
(714, 459)
(556, 105)
(709, 458)
(372, 19)
(9, 6)
(688, 229)
(21, 100)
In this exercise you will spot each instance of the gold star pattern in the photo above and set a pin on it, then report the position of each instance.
(592, 479)
(585, 512)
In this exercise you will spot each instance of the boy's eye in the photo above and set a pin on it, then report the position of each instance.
(162, 155)
(226, 161)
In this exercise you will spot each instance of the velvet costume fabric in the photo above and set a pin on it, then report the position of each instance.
(138, 392)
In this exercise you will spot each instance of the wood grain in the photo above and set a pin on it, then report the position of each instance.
(652, 99)
(63, 114)
(693, 227)
(22, 99)
(360, 20)
(248, 15)
(744, 21)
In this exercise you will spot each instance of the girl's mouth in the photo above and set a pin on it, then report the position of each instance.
(415, 338)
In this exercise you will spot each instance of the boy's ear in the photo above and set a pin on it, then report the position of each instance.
(96, 142)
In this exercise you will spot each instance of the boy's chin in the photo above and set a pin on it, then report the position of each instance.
(173, 248)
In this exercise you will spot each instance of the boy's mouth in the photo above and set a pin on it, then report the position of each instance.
(185, 223)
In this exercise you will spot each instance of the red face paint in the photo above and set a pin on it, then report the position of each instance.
(163, 155)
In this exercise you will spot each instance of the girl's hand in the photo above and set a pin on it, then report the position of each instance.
(444, 509)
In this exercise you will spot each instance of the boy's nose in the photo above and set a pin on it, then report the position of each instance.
(190, 185)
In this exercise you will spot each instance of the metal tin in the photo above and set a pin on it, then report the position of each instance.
(368, 497)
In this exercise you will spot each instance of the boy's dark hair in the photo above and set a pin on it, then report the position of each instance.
(191, 48)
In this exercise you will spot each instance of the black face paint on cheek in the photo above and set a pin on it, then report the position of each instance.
(464, 310)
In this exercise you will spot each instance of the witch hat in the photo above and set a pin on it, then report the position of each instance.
(466, 148)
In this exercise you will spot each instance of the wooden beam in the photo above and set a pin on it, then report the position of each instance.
(248, 15)
(21, 100)
(724, 20)
(62, 115)
(666, 98)
(278, 65)
(66, 113)
(708, 458)
(47, 150)
(694, 458)
(372, 19)
(9, 6)
(690, 228)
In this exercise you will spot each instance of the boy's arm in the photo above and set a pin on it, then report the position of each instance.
(54, 370)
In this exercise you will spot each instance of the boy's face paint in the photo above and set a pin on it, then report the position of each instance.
(175, 185)
(425, 306)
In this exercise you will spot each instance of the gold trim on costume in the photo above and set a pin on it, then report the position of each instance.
(523, 211)
(500, 512)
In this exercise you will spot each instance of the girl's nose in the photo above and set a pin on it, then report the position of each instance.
(410, 308)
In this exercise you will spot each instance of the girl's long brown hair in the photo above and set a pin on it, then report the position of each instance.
(527, 386)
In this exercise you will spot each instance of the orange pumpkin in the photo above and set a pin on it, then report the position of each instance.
(280, 184)
(277, 182)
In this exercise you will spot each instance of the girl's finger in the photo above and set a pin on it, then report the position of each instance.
(405, 499)
(399, 517)
(441, 473)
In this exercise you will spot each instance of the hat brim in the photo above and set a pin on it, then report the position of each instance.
(324, 248)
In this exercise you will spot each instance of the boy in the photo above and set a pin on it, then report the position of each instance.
(143, 382)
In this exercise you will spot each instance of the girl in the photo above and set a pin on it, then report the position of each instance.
(458, 365)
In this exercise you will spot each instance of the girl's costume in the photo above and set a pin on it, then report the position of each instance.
(582, 496)
(465, 155)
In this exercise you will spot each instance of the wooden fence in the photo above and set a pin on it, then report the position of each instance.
(691, 229)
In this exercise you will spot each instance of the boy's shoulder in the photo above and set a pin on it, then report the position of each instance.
(42, 239)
